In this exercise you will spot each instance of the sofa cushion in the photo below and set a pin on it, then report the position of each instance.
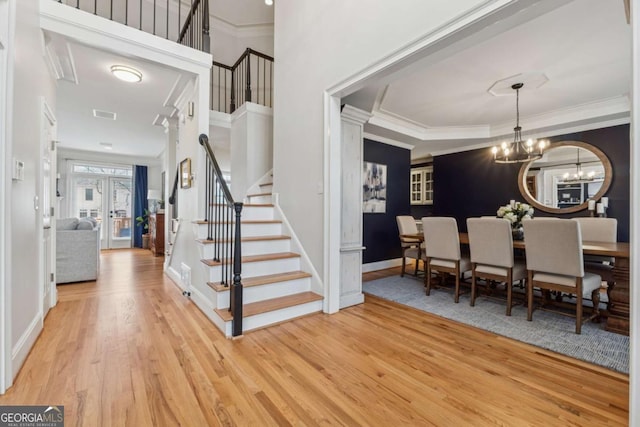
(92, 220)
(67, 224)
(85, 224)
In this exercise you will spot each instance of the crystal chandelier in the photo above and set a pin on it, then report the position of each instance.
(518, 151)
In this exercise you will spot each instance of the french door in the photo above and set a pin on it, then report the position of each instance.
(108, 199)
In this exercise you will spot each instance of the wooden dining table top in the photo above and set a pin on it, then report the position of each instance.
(614, 249)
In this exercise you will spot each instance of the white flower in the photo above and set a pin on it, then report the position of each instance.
(501, 211)
(511, 217)
(527, 216)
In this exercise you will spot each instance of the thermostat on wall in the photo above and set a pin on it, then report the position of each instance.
(18, 170)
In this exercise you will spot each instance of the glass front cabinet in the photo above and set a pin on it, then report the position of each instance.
(422, 185)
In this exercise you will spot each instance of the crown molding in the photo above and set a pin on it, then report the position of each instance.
(388, 141)
(240, 31)
(355, 114)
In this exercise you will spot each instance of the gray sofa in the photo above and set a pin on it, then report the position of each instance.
(77, 250)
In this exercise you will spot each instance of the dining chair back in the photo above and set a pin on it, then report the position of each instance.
(555, 263)
(411, 247)
(491, 247)
(443, 250)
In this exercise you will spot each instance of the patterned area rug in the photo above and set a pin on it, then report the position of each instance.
(548, 330)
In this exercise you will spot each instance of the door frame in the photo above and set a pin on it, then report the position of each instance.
(48, 144)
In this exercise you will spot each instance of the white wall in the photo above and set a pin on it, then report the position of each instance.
(318, 45)
(30, 82)
(229, 42)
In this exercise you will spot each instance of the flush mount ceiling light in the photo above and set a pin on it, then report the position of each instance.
(268, 2)
(518, 151)
(127, 74)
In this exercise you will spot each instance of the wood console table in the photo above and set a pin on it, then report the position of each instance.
(618, 316)
(156, 232)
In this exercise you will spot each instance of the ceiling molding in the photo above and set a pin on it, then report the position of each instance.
(592, 112)
(354, 114)
(388, 141)
(240, 31)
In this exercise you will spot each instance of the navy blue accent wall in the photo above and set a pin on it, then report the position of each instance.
(470, 184)
(380, 230)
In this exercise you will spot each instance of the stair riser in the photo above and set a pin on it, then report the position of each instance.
(257, 213)
(263, 292)
(265, 319)
(247, 230)
(266, 188)
(261, 247)
(261, 199)
(261, 268)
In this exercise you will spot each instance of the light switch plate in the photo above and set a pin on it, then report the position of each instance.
(18, 170)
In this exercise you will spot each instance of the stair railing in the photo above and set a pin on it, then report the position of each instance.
(223, 217)
(163, 18)
(232, 86)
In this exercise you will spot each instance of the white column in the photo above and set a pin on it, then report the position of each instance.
(351, 156)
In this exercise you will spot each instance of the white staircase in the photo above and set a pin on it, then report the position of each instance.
(276, 288)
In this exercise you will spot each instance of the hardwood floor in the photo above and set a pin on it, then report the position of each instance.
(129, 349)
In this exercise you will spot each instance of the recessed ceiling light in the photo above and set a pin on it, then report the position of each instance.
(127, 74)
(107, 145)
(268, 2)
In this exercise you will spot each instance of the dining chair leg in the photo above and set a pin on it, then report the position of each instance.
(509, 285)
(456, 298)
(404, 263)
(579, 306)
(595, 298)
(472, 302)
(529, 286)
(427, 276)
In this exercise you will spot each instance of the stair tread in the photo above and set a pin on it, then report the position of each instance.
(271, 305)
(247, 239)
(259, 194)
(266, 184)
(249, 221)
(263, 280)
(256, 258)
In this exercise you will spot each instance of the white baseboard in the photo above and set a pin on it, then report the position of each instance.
(381, 265)
(207, 308)
(353, 299)
(25, 343)
(175, 277)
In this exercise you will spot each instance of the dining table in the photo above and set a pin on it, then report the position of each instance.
(617, 316)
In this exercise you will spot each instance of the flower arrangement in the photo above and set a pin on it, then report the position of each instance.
(515, 212)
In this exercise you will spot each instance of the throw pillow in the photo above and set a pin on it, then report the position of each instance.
(67, 224)
(85, 224)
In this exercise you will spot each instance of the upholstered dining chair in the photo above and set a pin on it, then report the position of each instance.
(411, 247)
(555, 262)
(443, 250)
(595, 229)
(491, 247)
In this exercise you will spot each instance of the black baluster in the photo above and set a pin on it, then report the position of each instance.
(237, 279)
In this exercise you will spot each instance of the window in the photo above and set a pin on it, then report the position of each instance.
(83, 213)
(422, 185)
(88, 194)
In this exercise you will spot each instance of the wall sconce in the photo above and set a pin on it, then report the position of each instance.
(191, 108)
(57, 185)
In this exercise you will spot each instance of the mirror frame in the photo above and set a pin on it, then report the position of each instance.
(608, 178)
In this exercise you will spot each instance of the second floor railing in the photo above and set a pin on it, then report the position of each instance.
(186, 22)
(250, 79)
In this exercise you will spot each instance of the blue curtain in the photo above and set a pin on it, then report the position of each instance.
(140, 201)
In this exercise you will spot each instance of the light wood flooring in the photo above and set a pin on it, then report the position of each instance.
(129, 349)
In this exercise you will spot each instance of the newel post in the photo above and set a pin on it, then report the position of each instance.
(236, 286)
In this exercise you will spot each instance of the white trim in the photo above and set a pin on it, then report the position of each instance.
(352, 299)
(239, 31)
(175, 277)
(251, 107)
(381, 265)
(113, 36)
(7, 30)
(22, 348)
(332, 202)
(218, 119)
(355, 115)
(634, 234)
(305, 262)
(388, 141)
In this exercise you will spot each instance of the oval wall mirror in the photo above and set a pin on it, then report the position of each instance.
(566, 177)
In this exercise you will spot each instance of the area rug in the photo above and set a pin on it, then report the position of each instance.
(548, 330)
